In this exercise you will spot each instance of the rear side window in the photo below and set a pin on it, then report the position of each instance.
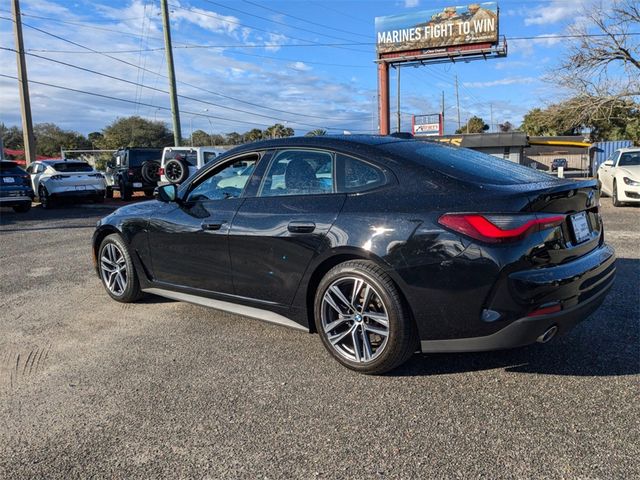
(299, 172)
(357, 175)
(138, 157)
(465, 165)
(72, 167)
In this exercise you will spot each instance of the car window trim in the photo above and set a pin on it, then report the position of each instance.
(389, 177)
(275, 154)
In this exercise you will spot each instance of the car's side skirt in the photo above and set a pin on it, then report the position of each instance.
(258, 313)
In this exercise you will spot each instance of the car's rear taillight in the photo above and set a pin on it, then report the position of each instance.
(26, 180)
(131, 173)
(161, 171)
(57, 177)
(498, 228)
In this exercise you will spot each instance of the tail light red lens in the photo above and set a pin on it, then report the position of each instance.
(131, 173)
(161, 171)
(498, 228)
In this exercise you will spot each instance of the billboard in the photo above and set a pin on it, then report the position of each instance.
(427, 125)
(476, 23)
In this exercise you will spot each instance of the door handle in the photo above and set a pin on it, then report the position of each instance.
(212, 225)
(301, 227)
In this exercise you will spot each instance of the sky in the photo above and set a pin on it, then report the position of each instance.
(246, 64)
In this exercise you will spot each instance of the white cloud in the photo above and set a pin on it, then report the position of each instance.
(502, 81)
(555, 12)
(301, 66)
(411, 3)
(273, 41)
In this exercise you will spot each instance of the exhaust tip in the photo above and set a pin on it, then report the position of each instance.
(548, 335)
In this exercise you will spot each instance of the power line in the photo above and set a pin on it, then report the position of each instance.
(291, 45)
(279, 23)
(110, 97)
(186, 97)
(304, 19)
(182, 82)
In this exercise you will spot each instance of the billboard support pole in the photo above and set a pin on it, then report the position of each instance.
(383, 98)
(398, 113)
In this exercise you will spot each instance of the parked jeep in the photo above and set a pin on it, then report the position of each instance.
(131, 170)
(179, 163)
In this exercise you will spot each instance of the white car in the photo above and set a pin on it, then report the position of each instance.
(54, 180)
(179, 163)
(619, 176)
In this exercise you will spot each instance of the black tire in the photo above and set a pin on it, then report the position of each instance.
(150, 171)
(45, 199)
(600, 188)
(614, 195)
(402, 338)
(22, 208)
(176, 171)
(125, 193)
(108, 192)
(132, 291)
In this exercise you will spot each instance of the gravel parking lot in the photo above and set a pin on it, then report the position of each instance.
(91, 387)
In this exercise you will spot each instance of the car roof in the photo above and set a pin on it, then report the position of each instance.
(59, 160)
(629, 149)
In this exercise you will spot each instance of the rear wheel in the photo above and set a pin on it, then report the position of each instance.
(614, 195)
(108, 192)
(116, 270)
(362, 320)
(150, 171)
(45, 199)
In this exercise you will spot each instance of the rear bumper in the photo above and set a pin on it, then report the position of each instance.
(78, 194)
(16, 201)
(579, 287)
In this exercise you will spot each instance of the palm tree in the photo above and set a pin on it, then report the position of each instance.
(318, 132)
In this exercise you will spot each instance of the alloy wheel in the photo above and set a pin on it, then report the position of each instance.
(354, 319)
(113, 268)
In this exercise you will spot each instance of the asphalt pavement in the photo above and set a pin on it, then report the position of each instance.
(93, 388)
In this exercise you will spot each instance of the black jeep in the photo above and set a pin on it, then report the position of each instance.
(131, 170)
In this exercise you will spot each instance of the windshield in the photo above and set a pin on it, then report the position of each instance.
(629, 159)
(188, 156)
(138, 157)
(464, 164)
(72, 167)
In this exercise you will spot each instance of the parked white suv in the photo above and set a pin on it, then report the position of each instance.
(54, 180)
(178, 163)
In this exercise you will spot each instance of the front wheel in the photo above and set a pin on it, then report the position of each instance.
(117, 272)
(614, 195)
(125, 193)
(22, 208)
(362, 320)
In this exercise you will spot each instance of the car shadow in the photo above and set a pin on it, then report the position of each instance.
(605, 344)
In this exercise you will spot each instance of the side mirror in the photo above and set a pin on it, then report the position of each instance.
(608, 163)
(166, 193)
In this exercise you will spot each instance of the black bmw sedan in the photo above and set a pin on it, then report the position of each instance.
(383, 246)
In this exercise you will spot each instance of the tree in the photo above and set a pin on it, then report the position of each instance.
(505, 127)
(233, 138)
(601, 71)
(278, 131)
(318, 132)
(474, 125)
(50, 139)
(12, 137)
(136, 131)
(200, 138)
(217, 139)
(254, 135)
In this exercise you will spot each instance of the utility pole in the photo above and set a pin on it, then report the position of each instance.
(458, 101)
(175, 113)
(398, 68)
(23, 81)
